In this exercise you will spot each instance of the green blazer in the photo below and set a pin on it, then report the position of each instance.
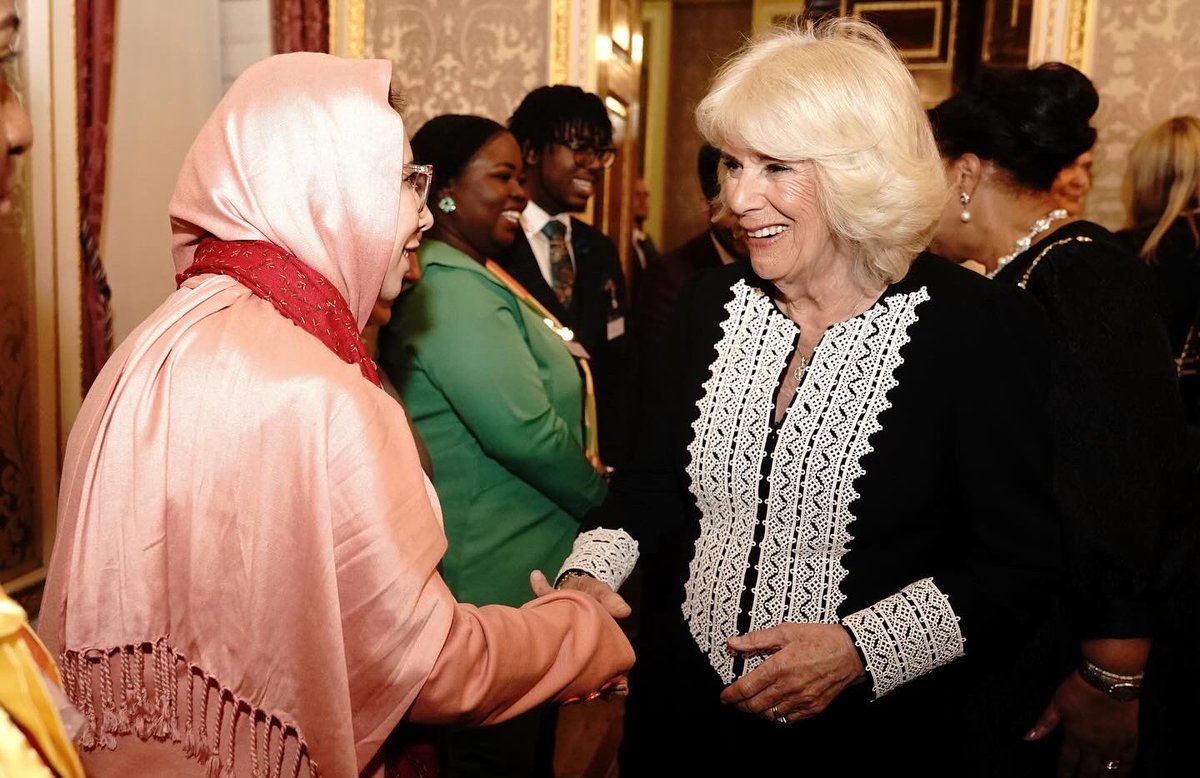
(498, 400)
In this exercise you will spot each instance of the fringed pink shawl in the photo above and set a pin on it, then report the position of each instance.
(244, 579)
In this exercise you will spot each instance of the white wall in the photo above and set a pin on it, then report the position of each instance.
(173, 61)
(245, 36)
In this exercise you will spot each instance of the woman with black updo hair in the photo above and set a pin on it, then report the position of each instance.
(1115, 407)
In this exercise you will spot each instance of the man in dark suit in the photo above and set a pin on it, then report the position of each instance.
(723, 242)
(569, 266)
(643, 251)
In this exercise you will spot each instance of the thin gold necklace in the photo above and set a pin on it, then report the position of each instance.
(806, 362)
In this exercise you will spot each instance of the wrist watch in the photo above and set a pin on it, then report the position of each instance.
(1123, 688)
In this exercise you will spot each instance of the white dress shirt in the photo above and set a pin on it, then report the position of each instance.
(533, 219)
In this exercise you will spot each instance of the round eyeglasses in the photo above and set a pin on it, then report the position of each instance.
(586, 155)
(419, 177)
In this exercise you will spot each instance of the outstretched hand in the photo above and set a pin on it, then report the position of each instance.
(810, 665)
(612, 602)
(599, 591)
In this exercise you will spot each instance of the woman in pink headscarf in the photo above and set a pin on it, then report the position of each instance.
(244, 580)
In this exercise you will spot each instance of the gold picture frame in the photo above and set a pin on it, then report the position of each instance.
(769, 13)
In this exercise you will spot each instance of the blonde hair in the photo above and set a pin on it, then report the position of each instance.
(1162, 180)
(837, 94)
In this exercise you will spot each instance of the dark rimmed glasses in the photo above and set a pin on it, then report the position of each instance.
(586, 155)
(419, 177)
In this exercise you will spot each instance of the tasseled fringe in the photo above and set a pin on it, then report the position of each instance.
(129, 709)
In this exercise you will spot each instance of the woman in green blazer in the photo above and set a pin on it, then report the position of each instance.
(499, 400)
(492, 388)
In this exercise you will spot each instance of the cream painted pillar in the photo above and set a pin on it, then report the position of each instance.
(166, 82)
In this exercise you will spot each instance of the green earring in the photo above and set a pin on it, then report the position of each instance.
(447, 204)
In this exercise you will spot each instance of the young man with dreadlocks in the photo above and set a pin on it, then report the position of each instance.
(569, 266)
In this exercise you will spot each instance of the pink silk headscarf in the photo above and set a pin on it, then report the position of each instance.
(316, 173)
(244, 580)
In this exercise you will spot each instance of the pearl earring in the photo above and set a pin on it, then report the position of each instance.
(964, 200)
(447, 204)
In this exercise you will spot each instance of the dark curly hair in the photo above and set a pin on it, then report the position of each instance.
(448, 142)
(1031, 123)
(557, 114)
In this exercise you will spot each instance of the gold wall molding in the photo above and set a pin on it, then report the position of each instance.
(574, 45)
(1062, 31)
(765, 12)
(935, 47)
(347, 28)
(560, 41)
(656, 20)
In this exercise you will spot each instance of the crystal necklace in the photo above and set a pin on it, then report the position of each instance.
(1025, 241)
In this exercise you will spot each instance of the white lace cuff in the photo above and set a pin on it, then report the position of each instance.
(607, 554)
(906, 635)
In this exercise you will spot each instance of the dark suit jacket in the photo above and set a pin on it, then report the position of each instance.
(660, 285)
(599, 298)
(650, 251)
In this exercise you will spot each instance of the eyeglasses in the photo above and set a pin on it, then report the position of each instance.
(586, 155)
(419, 177)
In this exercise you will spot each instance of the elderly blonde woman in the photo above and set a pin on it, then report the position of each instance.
(828, 520)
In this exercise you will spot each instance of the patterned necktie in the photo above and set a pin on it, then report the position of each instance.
(562, 272)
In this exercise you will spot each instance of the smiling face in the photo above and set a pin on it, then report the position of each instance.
(1073, 183)
(410, 225)
(557, 182)
(489, 199)
(14, 121)
(777, 204)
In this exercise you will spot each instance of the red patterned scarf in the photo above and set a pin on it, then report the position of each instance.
(298, 292)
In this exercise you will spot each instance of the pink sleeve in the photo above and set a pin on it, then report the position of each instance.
(499, 662)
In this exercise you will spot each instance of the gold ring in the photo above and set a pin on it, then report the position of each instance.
(1112, 766)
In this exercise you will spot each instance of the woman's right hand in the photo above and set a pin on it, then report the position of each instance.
(599, 591)
(610, 601)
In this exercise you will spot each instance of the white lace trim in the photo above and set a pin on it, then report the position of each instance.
(816, 461)
(907, 635)
(607, 554)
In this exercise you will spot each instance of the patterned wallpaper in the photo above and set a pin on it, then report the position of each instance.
(461, 56)
(1146, 70)
(18, 514)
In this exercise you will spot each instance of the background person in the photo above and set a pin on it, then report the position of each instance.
(569, 266)
(497, 397)
(722, 243)
(1162, 196)
(642, 249)
(245, 572)
(834, 523)
(1117, 421)
(1072, 184)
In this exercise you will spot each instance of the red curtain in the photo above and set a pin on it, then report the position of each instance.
(94, 20)
(300, 25)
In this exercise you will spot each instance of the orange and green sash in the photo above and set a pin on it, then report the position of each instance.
(591, 444)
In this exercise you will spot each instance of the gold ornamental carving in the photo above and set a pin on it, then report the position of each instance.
(560, 41)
